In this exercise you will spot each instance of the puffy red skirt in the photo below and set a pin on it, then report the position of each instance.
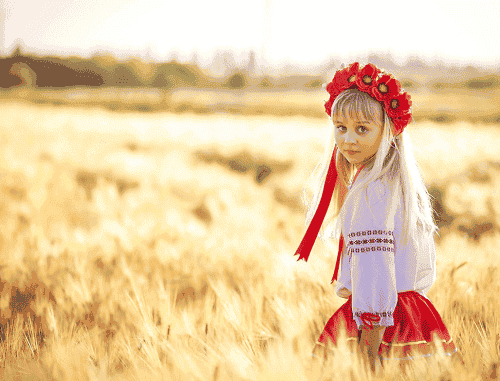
(415, 322)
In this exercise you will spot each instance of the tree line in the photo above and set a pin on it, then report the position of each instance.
(106, 70)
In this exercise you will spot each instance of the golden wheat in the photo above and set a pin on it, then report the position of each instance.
(126, 256)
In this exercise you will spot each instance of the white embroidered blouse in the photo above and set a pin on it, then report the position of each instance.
(376, 264)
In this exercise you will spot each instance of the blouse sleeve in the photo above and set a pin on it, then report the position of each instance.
(371, 246)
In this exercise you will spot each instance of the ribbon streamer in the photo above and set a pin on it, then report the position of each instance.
(368, 319)
(305, 247)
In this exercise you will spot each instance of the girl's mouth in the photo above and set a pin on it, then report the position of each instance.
(352, 152)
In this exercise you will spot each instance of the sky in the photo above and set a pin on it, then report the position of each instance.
(458, 31)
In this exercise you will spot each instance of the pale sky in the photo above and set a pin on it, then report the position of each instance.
(277, 30)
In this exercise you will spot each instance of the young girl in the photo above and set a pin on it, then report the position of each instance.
(381, 211)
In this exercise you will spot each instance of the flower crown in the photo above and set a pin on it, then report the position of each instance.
(380, 86)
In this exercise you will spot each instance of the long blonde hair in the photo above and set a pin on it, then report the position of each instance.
(394, 164)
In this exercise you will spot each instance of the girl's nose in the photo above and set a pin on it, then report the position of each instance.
(350, 137)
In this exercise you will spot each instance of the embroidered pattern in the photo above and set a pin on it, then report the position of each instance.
(370, 232)
(381, 314)
(365, 241)
(367, 249)
(372, 240)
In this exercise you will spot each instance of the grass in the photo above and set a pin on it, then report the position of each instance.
(152, 246)
(446, 105)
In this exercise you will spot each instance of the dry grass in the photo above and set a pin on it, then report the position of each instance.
(160, 246)
(439, 105)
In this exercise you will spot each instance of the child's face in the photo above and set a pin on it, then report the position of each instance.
(358, 140)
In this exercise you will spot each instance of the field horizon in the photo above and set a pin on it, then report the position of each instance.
(440, 105)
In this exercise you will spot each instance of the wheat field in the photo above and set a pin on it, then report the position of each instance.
(160, 247)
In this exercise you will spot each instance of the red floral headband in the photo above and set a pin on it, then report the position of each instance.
(380, 86)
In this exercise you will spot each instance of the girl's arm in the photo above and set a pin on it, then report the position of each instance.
(370, 239)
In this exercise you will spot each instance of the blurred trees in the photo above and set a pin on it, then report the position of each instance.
(173, 74)
(104, 69)
(236, 81)
(50, 71)
(24, 73)
(486, 82)
(142, 69)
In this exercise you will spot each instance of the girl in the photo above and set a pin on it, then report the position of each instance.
(382, 213)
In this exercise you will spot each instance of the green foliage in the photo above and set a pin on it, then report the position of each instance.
(408, 84)
(105, 61)
(265, 83)
(314, 84)
(123, 75)
(236, 81)
(488, 82)
(300, 81)
(173, 74)
(439, 85)
(17, 52)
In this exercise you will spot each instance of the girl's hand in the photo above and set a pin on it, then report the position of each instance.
(370, 343)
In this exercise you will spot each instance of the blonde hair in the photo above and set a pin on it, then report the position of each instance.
(394, 164)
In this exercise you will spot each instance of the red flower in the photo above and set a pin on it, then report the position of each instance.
(342, 80)
(345, 78)
(366, 77)
(385, 87)
(328, 106)
(330, 87)
(334, 92)
(398, 105)
(400, 122)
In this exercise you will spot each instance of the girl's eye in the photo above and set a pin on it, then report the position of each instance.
(341, 128)
(362, 129)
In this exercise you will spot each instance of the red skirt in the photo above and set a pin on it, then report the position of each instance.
(415, 322)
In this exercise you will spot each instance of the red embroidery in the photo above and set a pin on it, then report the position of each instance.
(367, 317)
(383, 314)
(371, 232)
(371, 243)
(374, 248)
(365, 241)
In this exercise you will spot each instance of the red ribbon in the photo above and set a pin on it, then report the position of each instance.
(341, 242)
(368, 318)
(307, 242)
(339, 254)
